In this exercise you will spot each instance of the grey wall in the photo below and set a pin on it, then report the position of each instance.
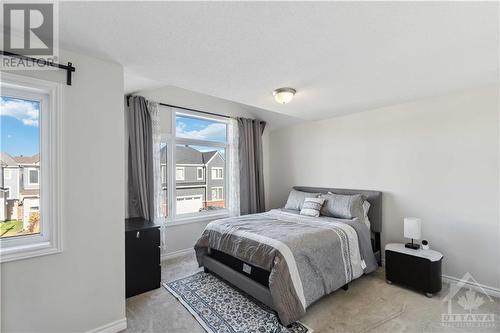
(190, 176)
(83, 287)
(14, 182)
(437, 159)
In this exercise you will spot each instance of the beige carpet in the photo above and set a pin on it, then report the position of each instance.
(370, 305)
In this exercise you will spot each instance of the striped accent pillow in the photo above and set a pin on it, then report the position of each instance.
(312, 206)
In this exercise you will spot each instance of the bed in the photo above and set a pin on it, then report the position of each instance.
(289, 261)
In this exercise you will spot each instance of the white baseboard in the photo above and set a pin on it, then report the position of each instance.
(113, 327)
(176, 254)
(490, 291)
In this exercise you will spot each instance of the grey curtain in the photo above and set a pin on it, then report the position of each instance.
(140, 159)
(251, 165)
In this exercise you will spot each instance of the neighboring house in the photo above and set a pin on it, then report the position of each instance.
(2, 194)
(199, 179)
(20, 187)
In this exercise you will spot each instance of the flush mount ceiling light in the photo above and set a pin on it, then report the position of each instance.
(284, 95)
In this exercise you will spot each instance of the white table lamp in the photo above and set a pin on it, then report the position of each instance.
(412, 229)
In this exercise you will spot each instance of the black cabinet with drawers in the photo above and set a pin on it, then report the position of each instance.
(142, 256)
(416, 269)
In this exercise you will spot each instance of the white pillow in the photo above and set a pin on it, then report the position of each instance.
(366, 208)
(312, 207)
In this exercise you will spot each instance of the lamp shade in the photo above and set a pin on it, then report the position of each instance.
(413, 227)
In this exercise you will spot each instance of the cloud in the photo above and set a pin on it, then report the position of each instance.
(21, 110)
(214, 131)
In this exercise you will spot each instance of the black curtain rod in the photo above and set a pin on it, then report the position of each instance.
(194, 110)
(68, 68)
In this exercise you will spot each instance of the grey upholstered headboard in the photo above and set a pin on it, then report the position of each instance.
(373, 197)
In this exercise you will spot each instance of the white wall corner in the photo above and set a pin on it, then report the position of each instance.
(113, 327)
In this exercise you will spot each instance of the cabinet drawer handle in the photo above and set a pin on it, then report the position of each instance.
(138, 234)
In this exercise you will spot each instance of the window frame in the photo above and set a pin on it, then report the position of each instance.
(49, 240)
(217, 169)
(5, 173)
(197, 173)
(183, 173)
(29, 169)
(217, 188)
(171, 141)
(163, 173)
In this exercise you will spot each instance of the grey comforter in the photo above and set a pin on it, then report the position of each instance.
(308, 257)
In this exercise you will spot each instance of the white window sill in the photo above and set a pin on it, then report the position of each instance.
(195, 219)
(28, 251)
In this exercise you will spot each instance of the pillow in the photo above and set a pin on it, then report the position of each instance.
(343, 206)
(366, 208)
(312, 206)
(296, 199)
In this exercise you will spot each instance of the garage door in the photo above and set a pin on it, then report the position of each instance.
(189, 204)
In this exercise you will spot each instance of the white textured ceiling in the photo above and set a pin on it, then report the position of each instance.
(341, 57)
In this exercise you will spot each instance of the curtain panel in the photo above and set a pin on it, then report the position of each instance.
(234, 169)
(140, 159)
(251, 165)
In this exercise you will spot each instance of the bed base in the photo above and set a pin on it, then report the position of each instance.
(242, 282)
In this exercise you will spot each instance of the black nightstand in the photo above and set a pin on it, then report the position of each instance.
(417, 269)
(142, 256)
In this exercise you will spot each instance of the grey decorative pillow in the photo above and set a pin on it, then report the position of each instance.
(366, 208)
(296, 199)
(343, 206)
(312, 206)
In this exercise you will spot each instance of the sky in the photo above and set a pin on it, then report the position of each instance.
(19, 126)
(195, 128)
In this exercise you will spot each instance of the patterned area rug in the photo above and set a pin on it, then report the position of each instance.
(221, 308)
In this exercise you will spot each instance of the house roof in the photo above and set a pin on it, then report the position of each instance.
(208, 155)
(6, 159)
(27, 159)
(188, 155)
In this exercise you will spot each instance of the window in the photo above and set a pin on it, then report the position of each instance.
(191, 156)
(30, 132)
(7, 174)
(32, 176)
(8, 193)
(196, 144)
(217, 173)
(217, 193)
(179, 173)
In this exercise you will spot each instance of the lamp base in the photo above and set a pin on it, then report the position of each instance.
(412, 246)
